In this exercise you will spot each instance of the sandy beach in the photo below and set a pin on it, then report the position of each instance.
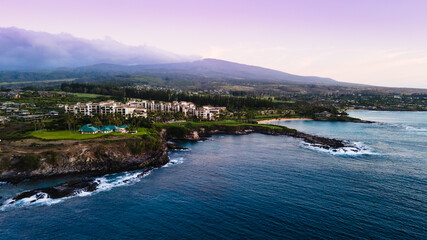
(282, 119)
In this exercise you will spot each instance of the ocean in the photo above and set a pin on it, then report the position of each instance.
(252, 187)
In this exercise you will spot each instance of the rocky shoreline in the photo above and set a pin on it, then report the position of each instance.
(97, 158)
(114, 159)
(82, 159)
(203, 134)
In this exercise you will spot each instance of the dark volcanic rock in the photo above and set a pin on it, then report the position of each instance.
(67, 189)
(173, 146)
(327, 143)
(90, 159)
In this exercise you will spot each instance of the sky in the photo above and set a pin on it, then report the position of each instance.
(378, 42)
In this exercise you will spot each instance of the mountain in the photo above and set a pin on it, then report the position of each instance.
(209, 68)
(29, 50)
(63, 54)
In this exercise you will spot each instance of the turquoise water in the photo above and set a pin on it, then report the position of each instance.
(254, 187)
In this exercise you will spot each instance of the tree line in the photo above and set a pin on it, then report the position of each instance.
(231, 102)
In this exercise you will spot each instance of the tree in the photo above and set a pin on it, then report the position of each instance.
(96, 122)
(71, 121)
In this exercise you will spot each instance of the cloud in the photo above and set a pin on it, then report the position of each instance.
(28, 50)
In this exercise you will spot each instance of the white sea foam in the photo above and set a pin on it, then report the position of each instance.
(105, 183)
(403, 126)
(415, 129)
(34, 200)
(354, 149)
(181, 150)
(174, 161)
(3, 183)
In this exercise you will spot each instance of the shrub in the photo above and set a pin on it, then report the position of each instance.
(100, 151)
(177, 131)
(27, 162)
(145, 144)
(4, 164)
(51, 158)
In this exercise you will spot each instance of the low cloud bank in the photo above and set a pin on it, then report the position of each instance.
(29, 50)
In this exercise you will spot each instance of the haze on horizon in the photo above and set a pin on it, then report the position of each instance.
(382, 42)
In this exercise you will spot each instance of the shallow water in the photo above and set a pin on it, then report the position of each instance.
(254, 186)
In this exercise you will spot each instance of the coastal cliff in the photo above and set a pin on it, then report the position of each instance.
(31, 158)
(34, 159)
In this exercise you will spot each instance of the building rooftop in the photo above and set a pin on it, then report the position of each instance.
(88, 128)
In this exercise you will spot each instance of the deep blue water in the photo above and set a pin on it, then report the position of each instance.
(254, 187)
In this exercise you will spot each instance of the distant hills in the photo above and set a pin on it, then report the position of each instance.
(23, 50)
(210, 68)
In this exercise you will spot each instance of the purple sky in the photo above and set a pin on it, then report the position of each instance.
(382, 42)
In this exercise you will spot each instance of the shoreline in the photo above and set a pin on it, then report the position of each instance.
(96, 158)
(283, 119)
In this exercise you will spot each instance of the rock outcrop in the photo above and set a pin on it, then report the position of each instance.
(204, 133)
(36, 159)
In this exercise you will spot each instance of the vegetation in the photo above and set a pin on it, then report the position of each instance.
(146, 143)
(231, 102)
(74, 135)
(51, 157)
(181, 129)
(27, 162)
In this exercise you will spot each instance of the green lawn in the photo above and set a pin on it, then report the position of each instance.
(74, 135)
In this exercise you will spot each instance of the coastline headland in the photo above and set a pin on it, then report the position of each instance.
(35, 158)
(86, 159)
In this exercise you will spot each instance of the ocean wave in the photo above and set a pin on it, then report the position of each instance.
(353, 149)
(174, 161)
(36, 199)
(415, 129)
(403, 126)
(3, 183)
(105, 183)
(181, 150)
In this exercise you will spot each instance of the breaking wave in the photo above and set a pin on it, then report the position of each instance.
(105, 183)
(403, 126)
(174, 161)
(353, 149)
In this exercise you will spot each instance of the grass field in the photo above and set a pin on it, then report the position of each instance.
(74, 135)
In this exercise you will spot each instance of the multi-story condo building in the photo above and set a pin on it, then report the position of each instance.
(140, 108)
(108, 107)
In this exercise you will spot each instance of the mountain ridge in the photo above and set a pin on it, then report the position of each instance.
(210, 68)
(25, 50)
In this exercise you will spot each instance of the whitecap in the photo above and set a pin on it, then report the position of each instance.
(415, 129)
(403, 126)
(105, 183)
(34, 200)
(174, 161)
(181, 150)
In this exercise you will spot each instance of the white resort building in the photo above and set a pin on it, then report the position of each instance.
(108, 107)
(140, 108)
